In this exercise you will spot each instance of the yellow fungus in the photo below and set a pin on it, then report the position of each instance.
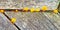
(2, 11)
(32, 10)
(13, 20)
(37, 9)
(16, 10)
(44, 8)
(55, 11)
(25, 8)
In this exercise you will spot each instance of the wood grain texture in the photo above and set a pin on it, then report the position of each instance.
(35, 21)
(18, 4)
(5, 24)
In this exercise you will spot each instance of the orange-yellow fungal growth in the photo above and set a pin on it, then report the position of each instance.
(1, 11)
(44, 8)
(16, 10)
(55, 11)
(37, 9)
(32, 10)
(25, 8)
(13, 20)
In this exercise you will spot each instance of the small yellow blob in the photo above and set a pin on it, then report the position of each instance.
(44, 8)
(16, 10)
(13, 20)
(55, 11)
(32, 10)
(26, 8)
(37, 9)
(2, 11)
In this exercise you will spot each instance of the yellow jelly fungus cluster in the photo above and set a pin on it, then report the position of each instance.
(55, 11)
(26, 8)
(32, 10)
(16, 10)
(13, 20)
(37, 9)
(44, 8)
(2, 11)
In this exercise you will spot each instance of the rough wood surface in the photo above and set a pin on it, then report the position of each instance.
(18, 4)
(36, 21)
(55, 18)
(5, 24)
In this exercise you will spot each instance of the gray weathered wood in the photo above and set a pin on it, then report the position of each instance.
(14, 4)
(5, 24)
(32, 21)
(55, 18)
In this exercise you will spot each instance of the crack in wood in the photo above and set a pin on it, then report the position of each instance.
(14, 23)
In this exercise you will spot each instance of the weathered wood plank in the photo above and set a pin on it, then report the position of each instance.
(32, 21)
(55, 18)
(18, 4)
(5, 24)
